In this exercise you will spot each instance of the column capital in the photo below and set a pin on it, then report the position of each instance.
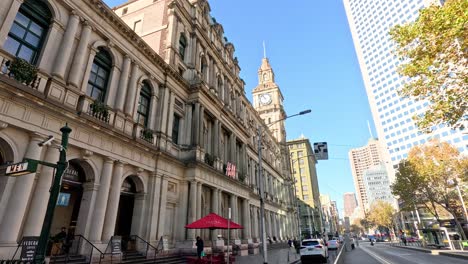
(109, 160)
(120, 163)
(86, 24)
(74, 14)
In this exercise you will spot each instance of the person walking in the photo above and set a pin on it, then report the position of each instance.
(200, 247)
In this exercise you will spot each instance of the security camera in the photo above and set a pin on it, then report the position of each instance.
(46, 142)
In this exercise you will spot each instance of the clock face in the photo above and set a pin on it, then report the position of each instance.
(265, 99)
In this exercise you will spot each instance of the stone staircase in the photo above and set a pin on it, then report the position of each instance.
(134, 257)
(71, 259)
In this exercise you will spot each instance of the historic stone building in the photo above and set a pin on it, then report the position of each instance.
(159, 118)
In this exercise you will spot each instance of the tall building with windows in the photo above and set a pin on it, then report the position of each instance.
(360, 160)
(377, 185)
(305, 174)
(158, 113)
(370, 22)
(350, 203)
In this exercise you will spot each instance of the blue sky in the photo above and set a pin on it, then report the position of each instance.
(310, 48)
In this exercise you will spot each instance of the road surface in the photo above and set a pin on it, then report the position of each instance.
(382, 253)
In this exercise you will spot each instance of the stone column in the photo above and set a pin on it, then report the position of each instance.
(131, 92)
(38, 206)
(193, 208)
(64, 52)
(170, 117)
(216, 138)
(153, 112)
(162, 208)
(193, 51)
(77, 67)
(163, 109)
(232, 204)
(16, 208)
(182, 211)
(200, 126)
(113, 203)
(246, 221)
(199, 204)
(138, 214)
(8, 22)
(188, 125)
(215, 201)
(256, 222)
(85, 214)
(101, 201)
(123, 84)
(89, 64)
(196, 125)
(234, 150)
(154, 196)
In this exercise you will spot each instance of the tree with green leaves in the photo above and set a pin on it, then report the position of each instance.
(426, 178)
(433, 51)
(381, 214)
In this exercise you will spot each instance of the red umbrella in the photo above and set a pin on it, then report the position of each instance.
(213, 221)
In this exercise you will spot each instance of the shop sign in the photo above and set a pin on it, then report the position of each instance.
(116, 245)
(29, 247)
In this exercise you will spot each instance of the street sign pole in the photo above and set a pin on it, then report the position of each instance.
(54, 192)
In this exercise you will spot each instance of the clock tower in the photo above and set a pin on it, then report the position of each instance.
(268, 101)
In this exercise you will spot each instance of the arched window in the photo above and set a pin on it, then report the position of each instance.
(99, 76)
(203, 68)
(182, 46)
(28, 31)
(144, 105)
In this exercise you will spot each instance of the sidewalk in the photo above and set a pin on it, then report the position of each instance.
(275, 256)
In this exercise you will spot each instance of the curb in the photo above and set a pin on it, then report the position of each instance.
(437, 252)
(295, 261)
(453, 255)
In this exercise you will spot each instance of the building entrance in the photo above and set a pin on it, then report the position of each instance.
(123, 225)
(68, 207)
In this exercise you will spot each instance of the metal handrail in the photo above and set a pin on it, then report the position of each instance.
(148, 245)
(92, 248)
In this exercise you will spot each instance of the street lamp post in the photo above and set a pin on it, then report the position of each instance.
(262, 187)
(61, 166)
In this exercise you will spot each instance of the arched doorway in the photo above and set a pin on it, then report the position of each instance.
(123, 226)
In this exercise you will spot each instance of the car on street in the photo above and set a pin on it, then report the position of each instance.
(333, 244)
(412, 239)
(313, 249)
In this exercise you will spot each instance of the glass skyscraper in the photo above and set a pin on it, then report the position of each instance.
(370, 22)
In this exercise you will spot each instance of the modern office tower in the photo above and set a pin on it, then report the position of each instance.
(370, 22)
(377, 185)
(303, 167)
(362, 159)
(350, 203)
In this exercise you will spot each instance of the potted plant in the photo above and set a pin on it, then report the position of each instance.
(22, 71)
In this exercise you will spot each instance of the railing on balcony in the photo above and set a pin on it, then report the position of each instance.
(99, 111)
(22, 71)
(147, 135)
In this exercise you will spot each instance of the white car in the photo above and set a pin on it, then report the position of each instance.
(313, 249)
(333, 244)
